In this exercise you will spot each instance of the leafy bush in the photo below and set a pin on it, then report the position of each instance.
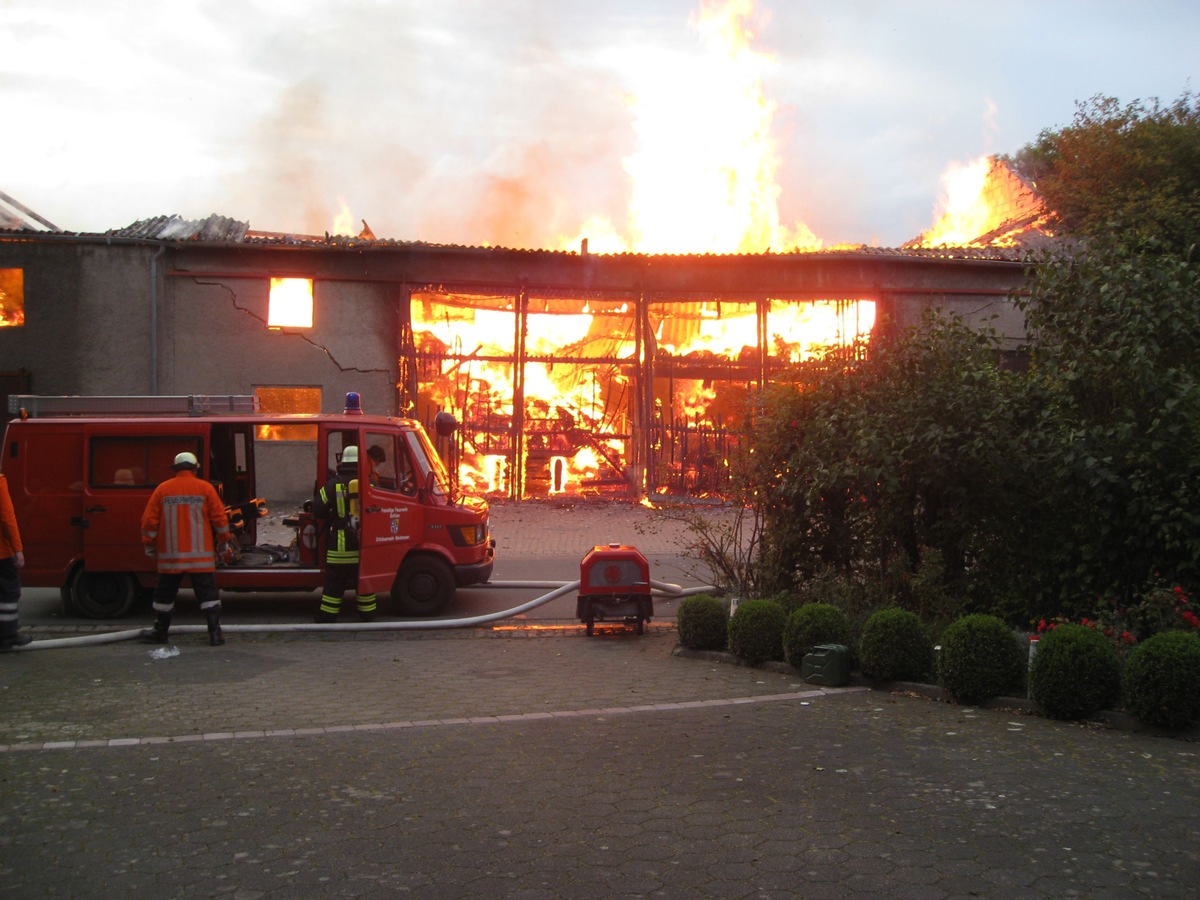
(812, 624)
(703, 623)
(894, 646)
(1161, 680)
(756, 631)
(981, 658)
(825, 586)
(1075, 672)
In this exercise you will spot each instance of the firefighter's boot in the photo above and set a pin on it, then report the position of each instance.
(11, 638)
(215, 638)
(157, 634)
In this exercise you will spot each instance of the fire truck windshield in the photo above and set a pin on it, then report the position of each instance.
(428, 462)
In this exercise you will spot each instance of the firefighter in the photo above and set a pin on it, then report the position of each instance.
(178, 526)
(336, 509)
(12, 559)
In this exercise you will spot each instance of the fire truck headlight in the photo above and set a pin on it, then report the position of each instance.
(469, 535)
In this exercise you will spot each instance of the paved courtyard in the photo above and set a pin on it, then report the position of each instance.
(534, 763)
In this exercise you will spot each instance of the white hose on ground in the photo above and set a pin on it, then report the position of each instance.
(560, 589)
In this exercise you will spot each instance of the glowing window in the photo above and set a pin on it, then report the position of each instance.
(12, 297)
(290, 304)
(293, 400)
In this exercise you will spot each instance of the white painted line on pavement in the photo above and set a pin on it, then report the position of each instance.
(213, 736)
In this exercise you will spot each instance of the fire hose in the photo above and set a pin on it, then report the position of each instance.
(664, 589)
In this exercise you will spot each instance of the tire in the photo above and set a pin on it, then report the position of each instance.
(103, 595)
(67, 595)
(424, 587)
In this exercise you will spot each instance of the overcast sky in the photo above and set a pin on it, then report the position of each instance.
(511, 121)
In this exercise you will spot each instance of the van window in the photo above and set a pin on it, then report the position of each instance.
(54, 462)
(139, 462)
(388, 465)
(430, 468)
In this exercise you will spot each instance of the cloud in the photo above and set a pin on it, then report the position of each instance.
(469, 121)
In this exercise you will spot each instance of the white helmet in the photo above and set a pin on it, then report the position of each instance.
(350, 455)
(185, 460)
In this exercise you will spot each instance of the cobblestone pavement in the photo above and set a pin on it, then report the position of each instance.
(516, 764)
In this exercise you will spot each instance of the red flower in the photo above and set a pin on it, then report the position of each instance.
(1128, 638)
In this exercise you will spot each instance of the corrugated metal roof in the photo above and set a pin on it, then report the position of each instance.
(341, 242)
(225, 230)
(220, 229)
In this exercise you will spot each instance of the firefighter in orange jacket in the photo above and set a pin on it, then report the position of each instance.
(12, 559)
(336, 507)
(177, 531)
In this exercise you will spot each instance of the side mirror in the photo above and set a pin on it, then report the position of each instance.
(427, 488)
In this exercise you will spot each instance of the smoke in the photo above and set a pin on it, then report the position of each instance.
(451, 132)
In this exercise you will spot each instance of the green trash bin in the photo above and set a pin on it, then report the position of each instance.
(826, 664)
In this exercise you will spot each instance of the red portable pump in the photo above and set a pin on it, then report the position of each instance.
(614, 583)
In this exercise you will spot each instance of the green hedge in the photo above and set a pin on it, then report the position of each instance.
(895, 647)
(810, 625)
(1161, 681)
(756, 631)
(1075, 672)
(982, 658)
(703, 623)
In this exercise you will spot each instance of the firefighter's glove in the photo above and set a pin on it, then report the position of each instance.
(151, 550)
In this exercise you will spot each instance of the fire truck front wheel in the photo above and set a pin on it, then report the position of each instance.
(103, 595)
(424, 586)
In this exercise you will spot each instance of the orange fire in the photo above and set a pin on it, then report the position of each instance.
(343, 222)
(704, 175)
(580, 378)
(703, 179)
(980, 199)
(12, 297)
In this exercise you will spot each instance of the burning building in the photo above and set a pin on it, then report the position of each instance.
(627, 371)
(569, 372)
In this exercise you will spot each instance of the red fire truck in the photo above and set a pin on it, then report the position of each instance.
(81, 470)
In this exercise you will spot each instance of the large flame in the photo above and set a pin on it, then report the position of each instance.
(579, 381)
(979, 199)
(703, 179)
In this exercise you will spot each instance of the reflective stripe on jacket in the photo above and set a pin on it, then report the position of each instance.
(10, 537)
(333, 507)
(179, 521)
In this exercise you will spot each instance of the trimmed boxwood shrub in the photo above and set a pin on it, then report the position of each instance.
(756, 631)
(1161, 680)
(895, 647)
(1075, 672)
(810, 625)
(703, 622)
(982, 658)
